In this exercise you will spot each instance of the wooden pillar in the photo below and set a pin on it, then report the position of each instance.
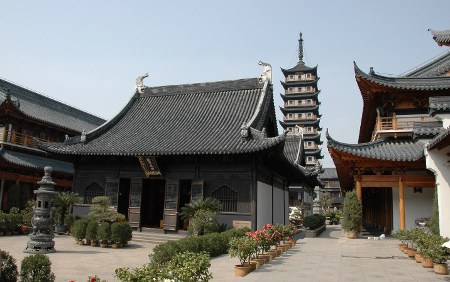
(359, 188)
(401, 204)
(2, 186)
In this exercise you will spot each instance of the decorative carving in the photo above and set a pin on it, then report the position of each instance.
(140, 84)
(244, 131)
(267, 72)
(83, 136)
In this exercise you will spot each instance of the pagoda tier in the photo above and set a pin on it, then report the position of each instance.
(300, 109)
(293, 123)
(298, 83)
(293, 96)
(300, 68)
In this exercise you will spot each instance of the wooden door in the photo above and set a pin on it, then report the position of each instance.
(196, 190)
(170, 216)
(134, 209)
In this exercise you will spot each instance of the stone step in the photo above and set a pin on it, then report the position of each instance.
(155, 237)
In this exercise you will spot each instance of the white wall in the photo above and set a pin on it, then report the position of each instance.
(436, 161)
(278, 205)
(264, 205)
(286, 205)
(417, 205)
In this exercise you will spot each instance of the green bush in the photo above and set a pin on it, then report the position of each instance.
(352, 214)
(433, 222)
(314, 221)
(209, 204)
(9, 268)
(36, 268)
(115, 232)
(104, 232)
(190, 267)
(147, 273)
(78, 229)
(214, 244)
(100, 211)
(69, 221)
(126, 233)
(204, 222)
(91, 231)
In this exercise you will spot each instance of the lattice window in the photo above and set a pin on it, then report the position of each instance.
(228, 198)
(91, 191)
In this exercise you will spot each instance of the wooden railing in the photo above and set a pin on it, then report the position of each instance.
(20, 139)
(401, 122)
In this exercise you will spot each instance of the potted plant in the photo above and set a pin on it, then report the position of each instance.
(36, 267)
(126, 233)
(115, 237)
(63, 201)
(352, 214)
(91, 233)
(242, 248)
(8, 267)
(104, 234)
(78, 230)
(439, 254)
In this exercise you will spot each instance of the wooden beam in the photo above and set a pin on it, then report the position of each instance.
(359, 188)
(379, 181)
(401, 203)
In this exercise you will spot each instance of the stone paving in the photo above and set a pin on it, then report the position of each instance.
(330, 257)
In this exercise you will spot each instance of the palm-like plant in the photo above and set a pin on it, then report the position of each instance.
(63, 201)
(210, 204)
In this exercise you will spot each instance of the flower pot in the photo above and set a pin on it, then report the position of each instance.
(242, 270)
(401, 247)
(441, 268)
(115, 245)
(103, 245)
(93, 244)
(259, 262)
(279, 251)
(253, 265)
(286, 247)
(272, 255)
(351, 234)
(418, 257)
(266, 257)
(411, 253)
(427, 262)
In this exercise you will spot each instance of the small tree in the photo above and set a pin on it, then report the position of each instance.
(204, 222)
(326, 201)
(209, 204)
(433, 223)
(36, 268)
(8, 269)
(100, 211)
(63, 201)
(352, 214)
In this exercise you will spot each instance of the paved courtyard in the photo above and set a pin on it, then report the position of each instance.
(331, 257)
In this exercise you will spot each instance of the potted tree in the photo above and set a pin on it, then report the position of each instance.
(242, 248)
(104, 234)
(63, 201)
(352, 215)
(91, 233)
(439, 254)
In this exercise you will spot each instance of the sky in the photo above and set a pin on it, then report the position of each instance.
(88, 54)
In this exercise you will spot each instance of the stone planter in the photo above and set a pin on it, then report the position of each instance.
(242, 270)
(427, 262)
(440, 268)
(315, 232)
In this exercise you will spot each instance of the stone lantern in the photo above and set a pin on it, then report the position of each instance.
(41, 236)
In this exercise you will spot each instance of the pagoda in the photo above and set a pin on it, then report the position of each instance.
(301, 106)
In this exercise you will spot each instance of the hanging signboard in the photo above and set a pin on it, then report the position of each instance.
(149, 166)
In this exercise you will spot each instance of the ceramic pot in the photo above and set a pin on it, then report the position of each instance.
(441, 268)
(272, 254)
(427, 262)
(418, 257)
(266, 257)
(411, 253)
(242, 270)
(351, 234)
(259, 262)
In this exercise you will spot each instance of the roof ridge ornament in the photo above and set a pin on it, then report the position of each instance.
(267, 72)
(140, 84)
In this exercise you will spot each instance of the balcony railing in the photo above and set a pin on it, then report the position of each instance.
(300, 78)
(399, 124)
(15, 138)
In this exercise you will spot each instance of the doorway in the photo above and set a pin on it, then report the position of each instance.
(185, 198)
(123, 199)
(152, 205)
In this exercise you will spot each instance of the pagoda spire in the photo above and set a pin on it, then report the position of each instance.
(300, 49)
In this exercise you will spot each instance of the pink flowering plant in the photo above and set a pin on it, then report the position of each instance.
(273, 236)
(242, 248)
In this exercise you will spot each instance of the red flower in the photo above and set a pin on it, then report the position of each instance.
(93, 279)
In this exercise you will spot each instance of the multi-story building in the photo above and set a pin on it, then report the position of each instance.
(331, 184)
(26, 116)
(301, 106)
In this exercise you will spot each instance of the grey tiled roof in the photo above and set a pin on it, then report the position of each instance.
(294, 151)
(441, 37)
(35, 162)
(439, 104)
(300, 109)
(300, 67)
(436, 67)
(42, 108)
(388, 150)
(203, 118)
(313, 96)
(329, 173)
(407, 83)
(444, 136)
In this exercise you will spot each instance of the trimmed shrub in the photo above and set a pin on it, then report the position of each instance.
(36, 268)
(204, 222)
(91, 231)
(190, 267)
(78, 229)
(8, 271)
(115, 232)
(314, 221)
(352, 212)
(126, 233)
(104, 232)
